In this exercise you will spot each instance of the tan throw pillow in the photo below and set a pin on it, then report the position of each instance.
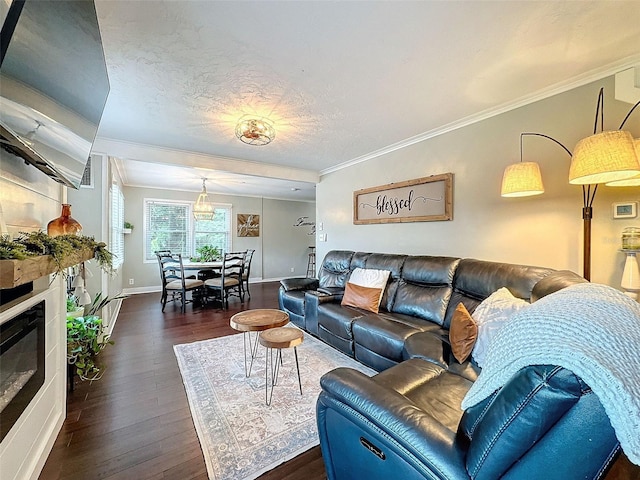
(463, 333)
(365, 288)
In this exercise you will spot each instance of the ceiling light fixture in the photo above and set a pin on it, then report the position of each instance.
(255, 130)
(609, 157)
(203, 209)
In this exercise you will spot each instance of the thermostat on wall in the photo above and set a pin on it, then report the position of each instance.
(625, 210)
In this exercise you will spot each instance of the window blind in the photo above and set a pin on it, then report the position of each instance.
(116, 235)
(166, 227)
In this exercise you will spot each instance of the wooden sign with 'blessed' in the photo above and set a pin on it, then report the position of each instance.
(424, 199)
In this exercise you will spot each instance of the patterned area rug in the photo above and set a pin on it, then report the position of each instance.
(241, 437)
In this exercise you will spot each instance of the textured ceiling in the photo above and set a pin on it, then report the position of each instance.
(340, 80)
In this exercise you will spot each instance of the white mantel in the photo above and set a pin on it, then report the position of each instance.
(26, 447)
(29, 200)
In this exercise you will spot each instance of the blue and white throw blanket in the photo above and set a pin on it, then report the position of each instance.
(592, 330)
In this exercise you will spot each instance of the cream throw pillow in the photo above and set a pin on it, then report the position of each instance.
(494, 311)
(365, 288)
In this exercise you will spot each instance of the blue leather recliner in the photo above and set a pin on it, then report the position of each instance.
(406, 423)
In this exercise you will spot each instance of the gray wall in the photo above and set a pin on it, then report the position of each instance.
(286, 247)
(279, 247)
(542, 230)
(92, 208)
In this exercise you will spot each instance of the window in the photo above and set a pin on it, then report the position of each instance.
(216, 232)
(116, 235)
(169, 225)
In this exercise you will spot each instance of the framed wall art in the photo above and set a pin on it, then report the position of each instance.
(248, 225)
(426, 199)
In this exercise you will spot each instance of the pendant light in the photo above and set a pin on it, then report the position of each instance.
(203, 209)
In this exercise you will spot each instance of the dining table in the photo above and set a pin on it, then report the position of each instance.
(189, 265)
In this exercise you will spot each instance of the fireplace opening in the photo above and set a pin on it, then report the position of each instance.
(22, 352)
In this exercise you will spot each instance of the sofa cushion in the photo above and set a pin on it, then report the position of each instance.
(475, 280)
(462, 334)
(384, 336)
(425, 287)
(335, 268)
(337, 319)
(429, 387)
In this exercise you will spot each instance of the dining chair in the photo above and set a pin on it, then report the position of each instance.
(248, 256)
(229, 283)
(174, 281)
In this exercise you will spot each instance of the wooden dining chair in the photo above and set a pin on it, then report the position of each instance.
(174, 281)
(229, 283)
(248, 256)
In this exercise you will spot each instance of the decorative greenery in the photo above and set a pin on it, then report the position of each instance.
(39, 243)
(99, 303)
(85, 340)
(72, 303)
(128, 225)
(207, 253)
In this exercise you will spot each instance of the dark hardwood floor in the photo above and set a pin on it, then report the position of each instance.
(135, 422)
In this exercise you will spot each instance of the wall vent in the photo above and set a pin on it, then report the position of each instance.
(87, 176)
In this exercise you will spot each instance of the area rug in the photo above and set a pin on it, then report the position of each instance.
(241, 437)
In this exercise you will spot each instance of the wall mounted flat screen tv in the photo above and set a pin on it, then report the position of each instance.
(53, 85)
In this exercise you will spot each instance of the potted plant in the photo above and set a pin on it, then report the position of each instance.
(207, 253)
(86, 338)
(128, 228)
(73, 309)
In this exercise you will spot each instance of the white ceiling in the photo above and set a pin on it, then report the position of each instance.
(341, 80)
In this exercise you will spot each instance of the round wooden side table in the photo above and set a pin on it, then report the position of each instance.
(277, 339)
(257, 321)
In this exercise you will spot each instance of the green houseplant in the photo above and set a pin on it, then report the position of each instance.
(73, 309)
(86, 338)
(207, 253)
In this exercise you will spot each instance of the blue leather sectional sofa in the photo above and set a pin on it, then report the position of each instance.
(406, 421)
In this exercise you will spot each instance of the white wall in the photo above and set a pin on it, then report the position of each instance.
(545, 230)
(29, 200)
(279, 247)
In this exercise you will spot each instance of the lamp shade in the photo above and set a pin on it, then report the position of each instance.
(604, 157)
(522, 180)
(85, 298)
(631, 274)
(633, 181)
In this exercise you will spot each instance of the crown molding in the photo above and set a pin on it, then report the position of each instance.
(575, 82)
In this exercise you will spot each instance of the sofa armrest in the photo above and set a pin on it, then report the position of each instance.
(427, 346)
(312, 299)
(396, 426)
(335, 291)
(299, 283)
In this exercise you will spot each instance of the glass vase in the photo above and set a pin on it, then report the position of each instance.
(65, 224)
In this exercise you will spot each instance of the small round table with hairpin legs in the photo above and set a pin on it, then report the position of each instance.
(257, 321)
(277, 339)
